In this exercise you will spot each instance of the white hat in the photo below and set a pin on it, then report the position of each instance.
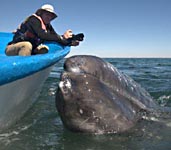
(48, 8)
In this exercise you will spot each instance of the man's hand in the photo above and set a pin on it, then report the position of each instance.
(68, 34)
(75, 43)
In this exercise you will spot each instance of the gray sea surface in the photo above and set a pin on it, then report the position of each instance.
(41, 128)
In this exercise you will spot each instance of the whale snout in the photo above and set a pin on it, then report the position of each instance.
(95, 97)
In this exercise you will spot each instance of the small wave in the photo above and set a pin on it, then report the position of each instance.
(164, 100)
(54, 74)
(7, 138)
(15, 131)
(164, 64)
(52, 91)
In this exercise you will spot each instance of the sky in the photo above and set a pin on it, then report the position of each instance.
(112, 28)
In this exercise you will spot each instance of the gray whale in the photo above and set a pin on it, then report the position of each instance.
(95, 97)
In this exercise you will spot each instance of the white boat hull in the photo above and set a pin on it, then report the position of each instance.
(17, 97)
(21, 78)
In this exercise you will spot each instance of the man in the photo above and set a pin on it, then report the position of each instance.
(36, 29)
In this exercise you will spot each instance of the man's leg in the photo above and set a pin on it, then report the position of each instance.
(20, 48)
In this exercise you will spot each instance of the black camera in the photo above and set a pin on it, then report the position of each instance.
(78, 37)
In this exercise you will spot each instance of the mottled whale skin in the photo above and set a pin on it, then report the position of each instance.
(94, 97)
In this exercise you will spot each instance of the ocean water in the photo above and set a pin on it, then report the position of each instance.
(42, 129)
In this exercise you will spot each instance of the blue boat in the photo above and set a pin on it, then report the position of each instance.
(21, 79)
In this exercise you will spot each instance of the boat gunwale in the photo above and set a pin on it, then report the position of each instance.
(16, 67)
